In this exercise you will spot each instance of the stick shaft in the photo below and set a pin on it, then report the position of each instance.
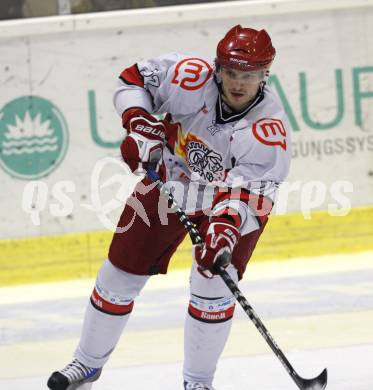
(232, 286)
(257, 321)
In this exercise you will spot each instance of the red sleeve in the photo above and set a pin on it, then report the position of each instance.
(132, 76)
(261, 205)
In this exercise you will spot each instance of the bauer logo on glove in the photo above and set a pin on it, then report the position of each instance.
(143, 146)
(144, 143)
(149, 130)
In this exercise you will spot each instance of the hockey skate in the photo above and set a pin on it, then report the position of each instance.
(196, 386)
(73, 377)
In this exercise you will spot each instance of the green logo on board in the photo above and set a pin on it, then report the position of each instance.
(33, 137)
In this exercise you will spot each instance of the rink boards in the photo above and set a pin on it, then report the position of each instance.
(79, 255)
(53, 222)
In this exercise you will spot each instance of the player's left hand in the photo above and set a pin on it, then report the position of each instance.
(221, 236)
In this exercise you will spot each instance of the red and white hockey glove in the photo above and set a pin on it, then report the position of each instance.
(143, 146)
(221, 236)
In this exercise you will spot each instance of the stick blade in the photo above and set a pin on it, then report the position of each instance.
(318, 383)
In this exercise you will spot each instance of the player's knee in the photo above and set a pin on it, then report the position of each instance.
(115, 290)
(215, 287)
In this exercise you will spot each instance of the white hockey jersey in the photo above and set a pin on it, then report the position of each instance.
(216, 148)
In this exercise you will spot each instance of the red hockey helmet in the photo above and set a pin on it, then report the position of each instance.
(245, 49)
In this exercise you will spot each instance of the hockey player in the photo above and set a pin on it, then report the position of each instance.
(224, 147)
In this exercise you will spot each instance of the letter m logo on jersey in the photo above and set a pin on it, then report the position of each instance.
(192, 73)
(270, 131)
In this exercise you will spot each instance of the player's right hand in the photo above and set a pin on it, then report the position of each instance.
(143, 147)
(220, 236)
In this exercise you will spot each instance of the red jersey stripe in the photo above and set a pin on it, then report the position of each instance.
(261, 205)
(132, 75)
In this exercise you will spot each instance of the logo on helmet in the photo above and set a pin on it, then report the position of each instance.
(243, 62)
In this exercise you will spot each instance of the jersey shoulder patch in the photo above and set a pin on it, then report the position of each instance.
(191, 73)
(186, 83)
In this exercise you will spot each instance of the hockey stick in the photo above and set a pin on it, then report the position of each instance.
(317, 383)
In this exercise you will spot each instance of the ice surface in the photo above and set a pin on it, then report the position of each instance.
(320, 312)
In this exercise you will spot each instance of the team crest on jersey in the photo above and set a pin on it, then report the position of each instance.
(199, 157)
